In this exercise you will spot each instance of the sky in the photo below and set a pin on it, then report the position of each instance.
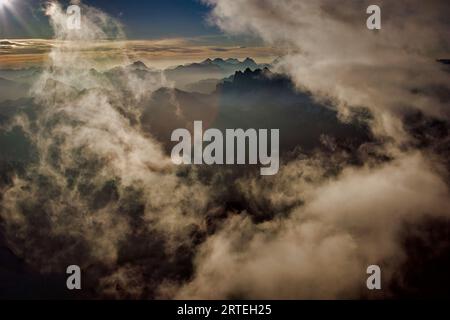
(163, 33)
(153, 19)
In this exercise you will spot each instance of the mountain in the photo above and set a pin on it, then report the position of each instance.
(139, 65)
(206, 86)
(183, 75)
(12, 90)
(122, 77)
(168, 109)
(233, 61)
(208, 69)
(256, 99)
(233, 65)
(202, 77)
(25, 76)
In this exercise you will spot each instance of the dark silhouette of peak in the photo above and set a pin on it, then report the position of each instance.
(251, 80)
(249, 73)
(226, 65)
(139, 65)
(444, 61)
(216, 68)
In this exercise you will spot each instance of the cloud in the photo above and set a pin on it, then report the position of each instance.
(103, 194)
(161, 53)
(322, 250)
(101, 190)
(25, 46)
(338, 223)
(330, 51)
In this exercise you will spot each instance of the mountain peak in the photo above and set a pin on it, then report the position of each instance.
(139, 65)
(232, 61)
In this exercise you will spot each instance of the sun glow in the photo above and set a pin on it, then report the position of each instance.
(4, 3)
(10, 11)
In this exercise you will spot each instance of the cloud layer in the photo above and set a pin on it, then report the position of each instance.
(160, 54)
(104, 194)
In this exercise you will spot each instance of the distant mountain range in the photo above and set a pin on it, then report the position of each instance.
(208, 69)
(202, 77)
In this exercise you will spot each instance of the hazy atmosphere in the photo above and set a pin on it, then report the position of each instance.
(87, 173)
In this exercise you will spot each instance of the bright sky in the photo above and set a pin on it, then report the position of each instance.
(176, 30)
(143, 19)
